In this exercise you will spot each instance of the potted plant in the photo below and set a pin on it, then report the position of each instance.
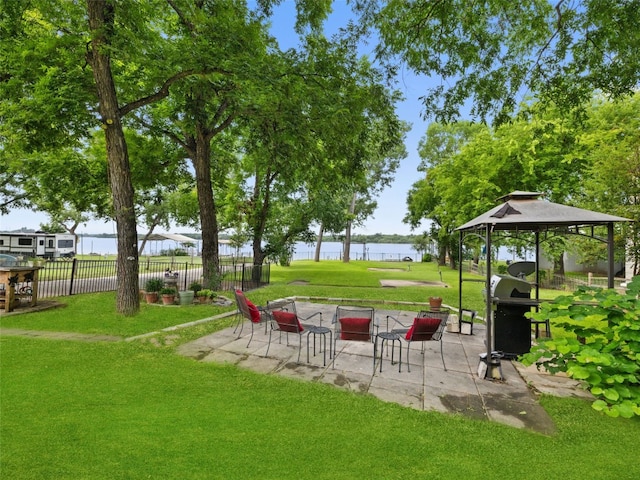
(204, 295)
(151, 289)
(435, 303)
(195, 286)
(168, 295)
(186, 297)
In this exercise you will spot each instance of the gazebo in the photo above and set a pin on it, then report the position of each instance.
(526, 212)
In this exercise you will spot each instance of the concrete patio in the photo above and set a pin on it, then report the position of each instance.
(513, 400)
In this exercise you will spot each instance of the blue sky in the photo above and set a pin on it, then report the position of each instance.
(391, 209)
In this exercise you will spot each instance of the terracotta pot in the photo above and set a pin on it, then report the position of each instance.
(151, 297)
(435, 303)
(168, 299)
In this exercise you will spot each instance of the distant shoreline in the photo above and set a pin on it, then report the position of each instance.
(376, 238)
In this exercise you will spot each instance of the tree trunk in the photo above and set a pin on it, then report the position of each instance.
(259, 221)
(347, 237)
(258, 252)
(145, 239)
(208, 213)
(558, 264)
(316, 257)
(101, 17)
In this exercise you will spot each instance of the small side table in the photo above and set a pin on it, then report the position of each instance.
(392, 337)
(314, 330)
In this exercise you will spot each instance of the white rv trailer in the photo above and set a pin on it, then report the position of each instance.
(38, 244)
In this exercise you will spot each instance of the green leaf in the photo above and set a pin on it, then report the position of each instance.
(625, 409)
(578, 372)
(599, 405)
(611, 394)
(564, 349)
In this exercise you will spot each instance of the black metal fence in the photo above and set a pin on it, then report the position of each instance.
(71, 277)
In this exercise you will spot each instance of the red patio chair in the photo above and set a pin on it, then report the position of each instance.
(247, 310)
(353, 324)
(284, 318)
(426, 327)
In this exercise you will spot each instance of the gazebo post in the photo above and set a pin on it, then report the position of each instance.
(537, 237)
(459, 279)
(610, 270)
(489, 367)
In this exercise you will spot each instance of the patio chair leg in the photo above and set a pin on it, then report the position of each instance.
(268, 345)
(251, 337)
(241, 325)
(442, 356)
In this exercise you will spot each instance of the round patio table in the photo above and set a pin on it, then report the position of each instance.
(316, 330)
(392, 337)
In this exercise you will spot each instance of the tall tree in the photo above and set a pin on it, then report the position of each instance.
(610, 144)
(114, 39)
(309, 138)
(231, 45)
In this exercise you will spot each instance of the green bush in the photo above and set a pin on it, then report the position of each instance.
(427, 257)
(174, 252)
(153, 285)
(205, 293)
(605, 351)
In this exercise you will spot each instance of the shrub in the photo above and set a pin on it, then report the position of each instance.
(195, 286)
(173, 252)
(153, 285)
(167, 291)
(205, 293)
(427, 257)
(605, 351)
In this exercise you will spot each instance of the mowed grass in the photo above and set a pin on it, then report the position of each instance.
(76, 410)
(128, 410)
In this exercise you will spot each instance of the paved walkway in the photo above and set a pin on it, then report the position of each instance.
(428, 386)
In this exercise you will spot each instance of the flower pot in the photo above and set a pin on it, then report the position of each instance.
(435, 303)
(151, 297)
(186, 297)
(168, 299)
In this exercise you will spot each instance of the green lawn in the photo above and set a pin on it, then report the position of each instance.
(74, 410)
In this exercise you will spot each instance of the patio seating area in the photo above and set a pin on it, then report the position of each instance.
(427, 386)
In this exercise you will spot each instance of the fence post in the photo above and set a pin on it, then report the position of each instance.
(73, 273)
(186, 271)
(242, 278)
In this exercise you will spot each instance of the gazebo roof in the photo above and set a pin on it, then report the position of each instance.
(176, 237)
(526, 211)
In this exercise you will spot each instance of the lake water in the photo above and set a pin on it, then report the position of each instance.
(328, 251)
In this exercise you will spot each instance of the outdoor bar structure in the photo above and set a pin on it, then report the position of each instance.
(527, 213)
(18, 282)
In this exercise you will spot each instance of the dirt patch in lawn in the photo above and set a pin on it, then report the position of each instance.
(387, 269)
(299, 282)
(411, 283)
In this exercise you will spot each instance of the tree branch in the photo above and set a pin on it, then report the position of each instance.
(163, 92)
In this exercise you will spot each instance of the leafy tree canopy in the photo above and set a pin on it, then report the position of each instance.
(490, 54)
